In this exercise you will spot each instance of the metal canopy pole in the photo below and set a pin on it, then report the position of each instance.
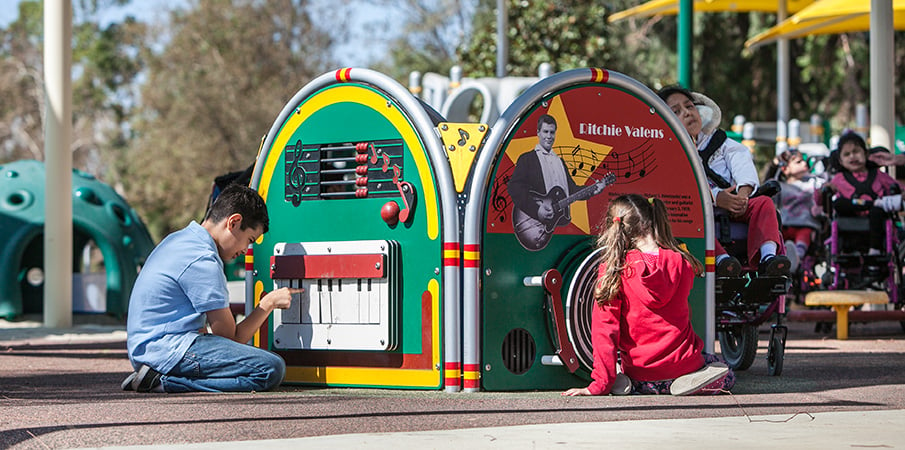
(782, 83)
(502, 42)
(882, 122)
(685, 41)
(58, 161)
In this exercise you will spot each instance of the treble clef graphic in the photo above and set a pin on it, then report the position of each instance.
(295, 175)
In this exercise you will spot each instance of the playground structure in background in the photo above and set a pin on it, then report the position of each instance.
(110, 243)
(399, 225)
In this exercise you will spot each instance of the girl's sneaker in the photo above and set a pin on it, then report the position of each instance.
(696, 382)
(622, 385)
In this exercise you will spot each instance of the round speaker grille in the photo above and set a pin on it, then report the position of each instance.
(519, 351)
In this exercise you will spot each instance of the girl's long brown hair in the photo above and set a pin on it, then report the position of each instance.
(629, 218)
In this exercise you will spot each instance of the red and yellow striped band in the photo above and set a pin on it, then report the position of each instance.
(472, 255)
(472, 376)
(709, 261)
(599, 75)
(451, 254)
(250, 259)
(344, 75)
(451, 376)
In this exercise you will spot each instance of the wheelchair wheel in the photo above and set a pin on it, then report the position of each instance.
(738, 345)
(775, 354)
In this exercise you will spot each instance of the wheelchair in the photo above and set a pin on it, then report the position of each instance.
(849, 267)
(844, 246)
(744, 303)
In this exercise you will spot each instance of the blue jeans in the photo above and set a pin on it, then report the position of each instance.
(217, 364)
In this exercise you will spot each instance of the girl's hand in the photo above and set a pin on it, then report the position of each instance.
(574, 392)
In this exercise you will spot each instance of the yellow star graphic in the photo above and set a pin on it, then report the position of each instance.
(564, 138)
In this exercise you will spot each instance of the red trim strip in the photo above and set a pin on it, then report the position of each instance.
(327, 266)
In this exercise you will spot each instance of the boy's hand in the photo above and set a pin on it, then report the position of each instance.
(280, 298)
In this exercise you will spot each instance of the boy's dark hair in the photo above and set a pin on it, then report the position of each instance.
(243, 200)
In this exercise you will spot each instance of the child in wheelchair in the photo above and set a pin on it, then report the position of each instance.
(734, 184)
(798, 209)
(860, 201)
(803, 222)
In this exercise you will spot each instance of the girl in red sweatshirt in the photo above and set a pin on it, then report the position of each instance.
(642, 309)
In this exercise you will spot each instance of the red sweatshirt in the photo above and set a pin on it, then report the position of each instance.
(648, 322)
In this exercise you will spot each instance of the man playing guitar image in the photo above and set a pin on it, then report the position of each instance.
(541, 189)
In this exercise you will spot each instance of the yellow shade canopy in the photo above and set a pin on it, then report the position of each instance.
(671, 7)
(827, 17)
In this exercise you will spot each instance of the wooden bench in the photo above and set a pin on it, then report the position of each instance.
(842, 301)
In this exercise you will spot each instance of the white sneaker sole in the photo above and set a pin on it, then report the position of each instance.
(693, 382)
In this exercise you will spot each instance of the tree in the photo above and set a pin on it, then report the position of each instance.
(105, 64)
(567, 34)
(419, 35)
(211, 93)
(829, 73)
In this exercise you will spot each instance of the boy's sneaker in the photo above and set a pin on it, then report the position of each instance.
(695, 382)
(775, 266)
(146, 379)
(622, 385)
(127, 383)
(729, 267)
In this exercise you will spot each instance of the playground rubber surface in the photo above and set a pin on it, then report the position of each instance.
(60, 389)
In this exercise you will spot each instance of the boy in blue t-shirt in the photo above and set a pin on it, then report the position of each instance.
(181, 286)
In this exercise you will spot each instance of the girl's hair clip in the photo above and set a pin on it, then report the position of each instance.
(617, 219)
(650, 200)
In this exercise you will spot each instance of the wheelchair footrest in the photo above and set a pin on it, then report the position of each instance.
(753, 291)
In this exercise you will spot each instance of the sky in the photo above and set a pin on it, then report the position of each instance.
(354, 54)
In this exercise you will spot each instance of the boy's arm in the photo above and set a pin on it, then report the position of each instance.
(223, 324)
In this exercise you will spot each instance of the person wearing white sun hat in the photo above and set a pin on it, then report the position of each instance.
(733, 179)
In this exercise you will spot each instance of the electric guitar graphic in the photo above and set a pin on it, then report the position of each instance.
(534, 234)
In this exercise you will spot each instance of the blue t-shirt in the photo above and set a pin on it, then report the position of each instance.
(182, 279)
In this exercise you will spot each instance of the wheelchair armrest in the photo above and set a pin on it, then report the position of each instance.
(768, 188)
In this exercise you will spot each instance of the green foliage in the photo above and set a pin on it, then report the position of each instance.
(567, 34)
(431, 32)
(828, 76)
(105, 65)
(214, 90)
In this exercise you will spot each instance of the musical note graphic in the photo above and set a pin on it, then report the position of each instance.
(629, 165)
(295, 173)
(499, 195)
(463, 138)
